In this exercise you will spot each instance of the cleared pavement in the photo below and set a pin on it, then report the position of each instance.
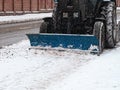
(12, 33)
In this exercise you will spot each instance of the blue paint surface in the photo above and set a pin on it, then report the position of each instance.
(72, 41)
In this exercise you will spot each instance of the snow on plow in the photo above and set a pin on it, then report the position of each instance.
(69, 41)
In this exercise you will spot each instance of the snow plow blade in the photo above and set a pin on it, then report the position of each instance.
(71, 41)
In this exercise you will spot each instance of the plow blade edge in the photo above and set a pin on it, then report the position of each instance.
(71, 41)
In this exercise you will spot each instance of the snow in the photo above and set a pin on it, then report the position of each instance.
(22, 68)
(22, 18)
(118, 8)
(99, 74)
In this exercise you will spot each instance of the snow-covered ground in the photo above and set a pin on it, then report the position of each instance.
(24, 69)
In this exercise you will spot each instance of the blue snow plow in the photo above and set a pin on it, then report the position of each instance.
(83, 42)
(69, 41)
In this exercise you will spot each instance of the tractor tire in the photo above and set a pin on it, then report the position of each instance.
(110, 20)
(118, 32)
(99, 32)
(43, 27)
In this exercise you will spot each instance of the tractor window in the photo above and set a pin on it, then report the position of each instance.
(93, 2)
(69, 2)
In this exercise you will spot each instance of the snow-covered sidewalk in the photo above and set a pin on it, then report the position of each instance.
(24, 69)
(22, 18)
(26, 17)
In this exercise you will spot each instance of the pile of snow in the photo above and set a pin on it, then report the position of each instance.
(24, 69)
(22, 18)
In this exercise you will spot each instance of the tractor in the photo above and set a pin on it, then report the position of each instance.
(79, 24)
